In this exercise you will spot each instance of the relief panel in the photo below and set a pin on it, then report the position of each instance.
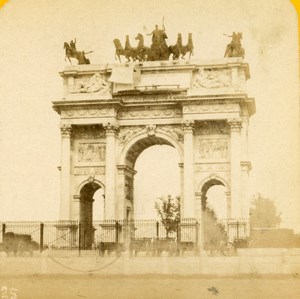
(216, 148)
(91, 152)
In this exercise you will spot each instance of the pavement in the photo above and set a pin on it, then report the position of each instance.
(149, 286)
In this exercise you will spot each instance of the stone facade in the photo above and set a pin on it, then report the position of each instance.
(199, 108)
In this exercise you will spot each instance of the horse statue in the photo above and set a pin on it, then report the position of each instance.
(142, 50)
(130, 52)
(188, 48)
(235, 49)
(176, 49)
(120, 51)
(71, 52)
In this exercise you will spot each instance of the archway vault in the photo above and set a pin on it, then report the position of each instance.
(210, 181)
(139, 143)
(96, 183)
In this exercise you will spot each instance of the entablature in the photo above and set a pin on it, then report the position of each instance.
(227, 75)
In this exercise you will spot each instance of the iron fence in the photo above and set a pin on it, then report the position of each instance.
(73, 238)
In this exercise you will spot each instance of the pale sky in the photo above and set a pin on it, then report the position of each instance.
(31, 55)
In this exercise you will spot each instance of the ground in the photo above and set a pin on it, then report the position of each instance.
(150, 286)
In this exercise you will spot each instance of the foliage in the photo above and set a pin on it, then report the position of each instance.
(168, 209)
(263, 213)
(214, 232)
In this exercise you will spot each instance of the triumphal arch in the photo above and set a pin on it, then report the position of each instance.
(111, 113)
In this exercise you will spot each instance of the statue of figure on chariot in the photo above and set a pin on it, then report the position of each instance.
(158, 51)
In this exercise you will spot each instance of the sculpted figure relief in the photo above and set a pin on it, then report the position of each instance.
(91, 152)
(211, 79)
(95, 84)
(213, 148)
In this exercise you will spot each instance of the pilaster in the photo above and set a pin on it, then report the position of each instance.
(188, 170)
(65, 206)
(235, 149)
(110, 174)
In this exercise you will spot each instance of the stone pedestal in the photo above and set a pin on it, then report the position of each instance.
(66, 235)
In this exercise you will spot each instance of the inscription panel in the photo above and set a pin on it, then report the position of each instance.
(79, 170)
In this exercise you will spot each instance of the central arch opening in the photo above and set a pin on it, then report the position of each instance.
(155, 162)
(158, 175)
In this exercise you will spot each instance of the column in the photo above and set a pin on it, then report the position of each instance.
(245, 168)
(235, 160)
(110, 171)
(188, 171)
(121, 192)
(65, 205)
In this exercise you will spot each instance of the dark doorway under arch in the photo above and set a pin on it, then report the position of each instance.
(86, 214)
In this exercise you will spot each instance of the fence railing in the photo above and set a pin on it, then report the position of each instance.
(75, 238)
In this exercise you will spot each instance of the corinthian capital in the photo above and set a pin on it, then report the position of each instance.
(188, 125)
(234, 124)
(111, 128)
(66, 130)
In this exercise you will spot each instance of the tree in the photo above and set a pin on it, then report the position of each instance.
(168, 209)
(263, 213)
(214, 231)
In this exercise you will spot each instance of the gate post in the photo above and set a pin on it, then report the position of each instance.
(157, 229)
(3, 230)
(197, 238)
(79, 238)
(41, 237)
(117, 232)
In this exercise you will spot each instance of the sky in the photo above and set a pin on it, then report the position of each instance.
(31, 55)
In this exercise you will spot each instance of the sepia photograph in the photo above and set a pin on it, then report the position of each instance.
(149, 149)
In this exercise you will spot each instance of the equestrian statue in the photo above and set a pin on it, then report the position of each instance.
(71, 52)
(235, 49)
